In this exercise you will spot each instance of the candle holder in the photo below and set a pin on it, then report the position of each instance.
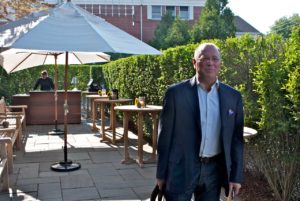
(142, 101)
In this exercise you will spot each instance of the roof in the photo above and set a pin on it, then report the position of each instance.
(243, 26)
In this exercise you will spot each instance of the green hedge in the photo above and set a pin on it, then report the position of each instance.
(277, 83)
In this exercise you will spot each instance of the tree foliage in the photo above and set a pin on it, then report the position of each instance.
(161, 31)
(293, 84)
(215, 22)
(15, 9)
(177, 34)
(278, 147)
(285, 25)
(170, 32)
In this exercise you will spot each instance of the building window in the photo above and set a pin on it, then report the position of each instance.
(156, 12)
(172, 10)
(184, 12)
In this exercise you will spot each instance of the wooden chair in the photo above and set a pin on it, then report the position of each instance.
(14, 131)
(4, 164)
(13, 110)
(10, 136)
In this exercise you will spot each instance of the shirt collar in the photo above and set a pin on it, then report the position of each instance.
(216, 84)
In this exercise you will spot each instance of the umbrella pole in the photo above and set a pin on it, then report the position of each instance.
(55, 131)
(66, 165)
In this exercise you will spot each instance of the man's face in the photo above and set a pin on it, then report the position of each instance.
(207, 65)
(44, 76)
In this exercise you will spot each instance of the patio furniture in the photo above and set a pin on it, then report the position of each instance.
(90, 100)
(112, 118)
(153, 110)
(8, 137)
(13, 110)
(41, 107)
(4, 161)
(15, 120)
(84, 100)
(249, 132)
(12, 135)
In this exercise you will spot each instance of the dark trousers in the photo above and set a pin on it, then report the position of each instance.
(208, 188)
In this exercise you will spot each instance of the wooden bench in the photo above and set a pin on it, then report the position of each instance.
(4, 163)
(14, 131)
(13, 110)
(16, 120)
(9, 137)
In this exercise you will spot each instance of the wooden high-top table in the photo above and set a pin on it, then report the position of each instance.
(112, 126)
(154, 111)
(90, 101)
(85, 103)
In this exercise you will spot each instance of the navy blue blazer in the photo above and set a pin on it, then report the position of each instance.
(180, 136)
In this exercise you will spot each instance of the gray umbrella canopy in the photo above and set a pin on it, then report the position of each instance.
(68, 27)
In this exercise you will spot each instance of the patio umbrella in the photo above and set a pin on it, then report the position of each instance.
(13, 60)
(69, 28)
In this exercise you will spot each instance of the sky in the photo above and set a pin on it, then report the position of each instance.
(262, 14)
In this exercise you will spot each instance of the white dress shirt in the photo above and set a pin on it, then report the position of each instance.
(210, 120)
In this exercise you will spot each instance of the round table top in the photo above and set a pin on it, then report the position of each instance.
(119, 100)
(89, 92)
(148, 108)
(96, 96)
(249, 132)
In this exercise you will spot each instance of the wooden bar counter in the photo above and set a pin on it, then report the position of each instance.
(41, 106)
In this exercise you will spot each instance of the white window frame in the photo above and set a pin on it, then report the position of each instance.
(173, 11)
(150, 12)
(187, 17)
(191, 12)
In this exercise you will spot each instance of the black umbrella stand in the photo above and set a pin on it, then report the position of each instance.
(55, 131)
(65, 165)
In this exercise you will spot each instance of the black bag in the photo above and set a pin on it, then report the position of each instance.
(93, 86)
(157, 194)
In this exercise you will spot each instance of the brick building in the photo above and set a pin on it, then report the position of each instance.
(140, 17)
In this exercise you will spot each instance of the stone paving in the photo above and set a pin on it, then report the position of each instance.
(101, 176)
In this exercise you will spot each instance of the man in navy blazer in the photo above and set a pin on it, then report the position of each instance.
(200, 144)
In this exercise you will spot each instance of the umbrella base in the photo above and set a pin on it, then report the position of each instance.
(56, 131)
(65, 166)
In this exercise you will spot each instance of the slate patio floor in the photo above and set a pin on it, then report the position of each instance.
(101, 176)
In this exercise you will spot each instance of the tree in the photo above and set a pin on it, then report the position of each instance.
(285, 25)
(161, 30)
(178, 34)
(15, 9)
(215, 22)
